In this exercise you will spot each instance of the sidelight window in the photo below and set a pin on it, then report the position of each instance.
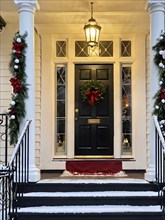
(126, 77)
(60, 76)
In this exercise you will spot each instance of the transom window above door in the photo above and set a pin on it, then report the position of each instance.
(104, 49)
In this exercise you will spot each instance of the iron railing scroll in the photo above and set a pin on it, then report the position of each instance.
(4, 134)
(13, 175)
(159, 162)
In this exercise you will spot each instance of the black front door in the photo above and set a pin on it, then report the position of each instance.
(94, 123)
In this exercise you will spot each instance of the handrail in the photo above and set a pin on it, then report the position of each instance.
(15, 175)
(159, 162)
(16, 149)
(159, 131)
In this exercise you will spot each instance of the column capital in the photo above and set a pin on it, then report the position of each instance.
(156, 5)
(27, 5)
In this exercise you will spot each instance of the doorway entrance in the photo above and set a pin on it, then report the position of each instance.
(94, 124)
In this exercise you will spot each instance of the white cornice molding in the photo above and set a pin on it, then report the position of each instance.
(27, 5)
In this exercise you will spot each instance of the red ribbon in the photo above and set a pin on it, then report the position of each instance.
(12, 111)
(162, 93)
(93, 96)
(16, 83)
(18, 53)
(17, 47)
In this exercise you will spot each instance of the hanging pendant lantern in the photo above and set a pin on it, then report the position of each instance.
(92, 30)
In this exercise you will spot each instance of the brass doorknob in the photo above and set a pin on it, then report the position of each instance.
(76, 110)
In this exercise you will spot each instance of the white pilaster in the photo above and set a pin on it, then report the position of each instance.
(27, 10)
(156, 9)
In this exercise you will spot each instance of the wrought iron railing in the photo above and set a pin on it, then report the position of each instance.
(159, 162)
(14, 174)
(4, 135)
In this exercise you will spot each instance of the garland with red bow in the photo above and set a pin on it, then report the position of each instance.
(159, 105)
(18, 81)
(92, 92)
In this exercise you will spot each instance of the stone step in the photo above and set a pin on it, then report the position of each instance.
(92, 199)
(90, 212)
(76, 185)
(139, 198)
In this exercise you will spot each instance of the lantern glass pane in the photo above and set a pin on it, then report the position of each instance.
(97, 36)
(92, 34)
(87, 34)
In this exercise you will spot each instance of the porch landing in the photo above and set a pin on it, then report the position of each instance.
(54, 174)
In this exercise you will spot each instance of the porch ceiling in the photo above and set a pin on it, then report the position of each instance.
(113, 15)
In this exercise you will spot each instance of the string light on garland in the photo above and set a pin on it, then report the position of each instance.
(18, 81)
(159, 105)
(92, 92)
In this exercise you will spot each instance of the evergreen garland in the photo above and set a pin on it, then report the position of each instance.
(18, 81)
(92, 92)
(159, 59)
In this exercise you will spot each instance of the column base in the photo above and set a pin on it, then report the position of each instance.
(150, 173)
(34, 174)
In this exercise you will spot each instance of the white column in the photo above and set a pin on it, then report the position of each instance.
(27, 10)
(156, 9)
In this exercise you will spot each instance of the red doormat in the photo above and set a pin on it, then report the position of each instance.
(94, 167)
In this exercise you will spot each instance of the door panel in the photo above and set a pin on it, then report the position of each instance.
(85, 130)
(94, 124)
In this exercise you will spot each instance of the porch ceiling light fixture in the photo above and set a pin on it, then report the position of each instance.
(92, 30)
(2, 23)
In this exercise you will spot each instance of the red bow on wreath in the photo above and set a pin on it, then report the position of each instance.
(16, 83)
(162, 93)
(93, 96)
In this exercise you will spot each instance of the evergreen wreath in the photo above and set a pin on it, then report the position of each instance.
(159, 59)
(18, 81)
(92, 92)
